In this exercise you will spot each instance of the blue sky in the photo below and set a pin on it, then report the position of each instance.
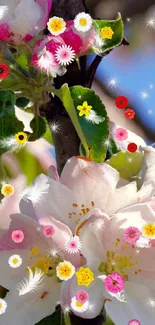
(135, 75)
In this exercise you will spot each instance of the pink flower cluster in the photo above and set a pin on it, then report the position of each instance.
(45, 55)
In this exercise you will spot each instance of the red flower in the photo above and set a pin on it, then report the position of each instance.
(4, 70)
(121, 102)
(132, 147)
(129, 113)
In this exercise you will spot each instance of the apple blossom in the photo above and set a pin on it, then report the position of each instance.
(23, 20)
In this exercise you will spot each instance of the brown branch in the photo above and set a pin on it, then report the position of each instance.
(94, 65)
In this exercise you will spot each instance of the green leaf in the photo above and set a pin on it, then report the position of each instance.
(38, 126)
(9, 124)
(22, 61)
(22, 102)
(69, 106)
(126, 163)
(118, 29)
(96, 132)
(112, 149)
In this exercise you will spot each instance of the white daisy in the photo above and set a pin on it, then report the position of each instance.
(15, 261)
(3, 306)
(79, 306)
(83, 22)
(65, 55)
(73, 245)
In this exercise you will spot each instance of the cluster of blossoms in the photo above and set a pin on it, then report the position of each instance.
(78, 243)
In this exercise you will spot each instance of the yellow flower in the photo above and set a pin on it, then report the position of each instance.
(7, 189)
(84, 109)
(106, 32)
(149, 230)
(56, 25)
(21, 137)
(65, 270)
(84, 276)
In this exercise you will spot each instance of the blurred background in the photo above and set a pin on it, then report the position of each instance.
(129, 70)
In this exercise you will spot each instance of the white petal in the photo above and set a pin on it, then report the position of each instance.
(121, 197)
(95, 292)
(30, 308)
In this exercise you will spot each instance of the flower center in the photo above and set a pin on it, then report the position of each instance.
(79, 304)
(119, 263)
(83, 22)
(47, 264)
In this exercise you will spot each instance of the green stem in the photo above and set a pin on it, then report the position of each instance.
(50, 90)
(2, 171)
(67, 319)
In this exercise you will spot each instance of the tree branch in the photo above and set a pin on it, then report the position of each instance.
(94, 65)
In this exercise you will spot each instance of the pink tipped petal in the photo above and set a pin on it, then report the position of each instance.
(46, 6)
(73, 40)
(4, 32)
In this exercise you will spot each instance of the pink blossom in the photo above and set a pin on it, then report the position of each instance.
(4, 32)
(114, 283)
(131, 235)
(80, 43)
(48, 231)
(17, 236)
(134, 322)
(121, 134)
(82, 296)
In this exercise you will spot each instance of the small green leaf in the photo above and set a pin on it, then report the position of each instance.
(22, 102)
(95, 128)
(69, 106)
(117, 29)
(126, 163)
(22, 61)
(38, 126)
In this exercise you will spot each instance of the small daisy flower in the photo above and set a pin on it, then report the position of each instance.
(15, 261)
(84, 276)
(79, 306)
(84, 109)
(73, 245)
(65, 55)
(149, 230)
(129, 113)
(121, 134)
(82, 296)
(21, 137)
(3, 306)
(121, 102)
(132, 147)
(83, 22)
(48, 231)
(7, 190)
(114, 283)
(106, 32)
(4, 71)
(65, 270)
(134, 322)
(17, 236)
(56, 25)
(131, 235)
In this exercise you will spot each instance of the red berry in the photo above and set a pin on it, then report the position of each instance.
(132, 147)
(121, 102)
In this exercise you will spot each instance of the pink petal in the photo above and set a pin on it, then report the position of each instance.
(46, 6)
